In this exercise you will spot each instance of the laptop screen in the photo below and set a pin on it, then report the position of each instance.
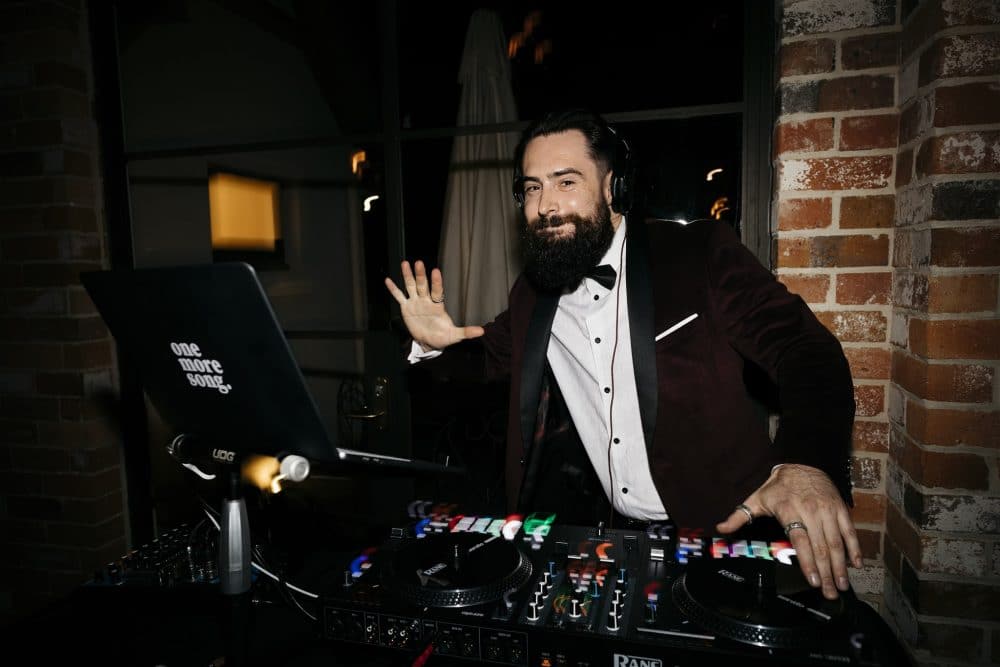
(212, 357)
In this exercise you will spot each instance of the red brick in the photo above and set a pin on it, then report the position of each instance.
(868, 363)
(951, 640)
(812, 56)
(60, 74)
(962, 294)
(89, 355)
(866, 51)
(869, 400)
(48, 190)
(863, 288)
(853, 93)
(970, 246)
(946, 428)
(948, 470)
(864, 132)
(959, 383)
(76, 409)
(56, 274)
(812, 289)
(23, 248)
(807, 135)
(904, 167)
(855, 326)
(21, 164)
(51, 301)
(18, 431)
(47, 356)
(868, 508)
(929, 18)
(914, 120)
(29, 407)
(833, 251)
(41, 459)
(870, 436)
(70, 218)
(870, 542)
(60, 384)
(836, 173)
(967, 104)
(47, 44)
(871, 211)
(80, 302)
(66, 328)
(902, 534)
(961, 55)
(55, 103)
(955, 339)
(84, 486)
(804, 213)
(959, 153)
(85, 535)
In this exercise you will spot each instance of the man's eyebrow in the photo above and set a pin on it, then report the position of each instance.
(554, 174)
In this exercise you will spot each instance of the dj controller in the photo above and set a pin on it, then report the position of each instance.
(528, 591)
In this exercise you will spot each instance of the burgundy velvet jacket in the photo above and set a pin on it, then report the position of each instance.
(708, 445)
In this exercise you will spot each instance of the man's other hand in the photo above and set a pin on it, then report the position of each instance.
(423, 309)
(816, 520)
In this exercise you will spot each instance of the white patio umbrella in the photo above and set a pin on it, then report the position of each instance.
(479, 253)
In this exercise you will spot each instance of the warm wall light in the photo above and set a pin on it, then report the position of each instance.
(244, 212)
(358, 161)
(712, 174)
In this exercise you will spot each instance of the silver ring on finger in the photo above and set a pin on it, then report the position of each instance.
(746, 510)
(441, 300)
(793, 526)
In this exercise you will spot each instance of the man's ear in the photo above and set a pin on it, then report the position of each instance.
(606, 186)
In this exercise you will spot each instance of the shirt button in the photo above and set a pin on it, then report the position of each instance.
(617, 441)
(597, 340)
(596, 297)
(607, 390)
(624, 490)
(521, 461)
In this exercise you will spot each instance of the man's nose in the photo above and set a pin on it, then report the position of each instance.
(547, 203)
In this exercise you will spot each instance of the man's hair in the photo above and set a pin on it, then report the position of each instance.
(602, 142)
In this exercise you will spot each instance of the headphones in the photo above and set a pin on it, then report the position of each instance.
(621, 189)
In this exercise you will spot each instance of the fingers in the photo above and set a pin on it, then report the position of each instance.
(415, 281)
(734, 522)
(473, 331)
(850, 536)
(395, 291)
(437, 287)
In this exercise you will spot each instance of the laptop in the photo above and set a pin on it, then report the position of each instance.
(215, 363)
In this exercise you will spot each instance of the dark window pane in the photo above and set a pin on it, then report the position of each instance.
(673, 160)
(627, 59)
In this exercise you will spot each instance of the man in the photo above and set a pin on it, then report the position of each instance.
(650, 367)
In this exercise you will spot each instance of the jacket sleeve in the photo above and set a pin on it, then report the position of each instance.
(777, 331)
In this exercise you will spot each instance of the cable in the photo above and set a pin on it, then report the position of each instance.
(611, 405)
(267, 572)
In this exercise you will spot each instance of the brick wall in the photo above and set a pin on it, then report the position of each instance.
(835, 154)
(886, 222)
(60, 476)
(942, 551)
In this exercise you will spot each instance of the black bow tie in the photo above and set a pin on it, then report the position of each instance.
(603, 274)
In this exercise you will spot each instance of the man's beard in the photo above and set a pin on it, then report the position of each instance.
(557, 264)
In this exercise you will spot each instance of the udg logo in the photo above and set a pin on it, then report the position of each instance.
(636, 661)
(223, 455)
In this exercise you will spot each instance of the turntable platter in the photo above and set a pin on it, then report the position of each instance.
(458, 570)
(756, 601)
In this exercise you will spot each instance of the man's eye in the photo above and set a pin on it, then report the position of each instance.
(530, 189)
(567, 183)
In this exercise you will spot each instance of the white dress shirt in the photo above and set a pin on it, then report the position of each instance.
(600, 393)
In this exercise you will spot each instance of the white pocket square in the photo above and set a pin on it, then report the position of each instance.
(687, 320)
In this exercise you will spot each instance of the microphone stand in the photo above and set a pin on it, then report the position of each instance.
(234, 571)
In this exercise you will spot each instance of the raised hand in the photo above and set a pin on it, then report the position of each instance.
(815, 518)
(423, 310)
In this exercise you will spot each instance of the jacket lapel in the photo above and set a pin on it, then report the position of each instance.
(537, 342)
(641, 325)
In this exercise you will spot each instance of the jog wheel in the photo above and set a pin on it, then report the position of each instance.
(756, 601)
(458, 570)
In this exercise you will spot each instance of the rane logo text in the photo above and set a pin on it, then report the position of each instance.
(636, 661)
